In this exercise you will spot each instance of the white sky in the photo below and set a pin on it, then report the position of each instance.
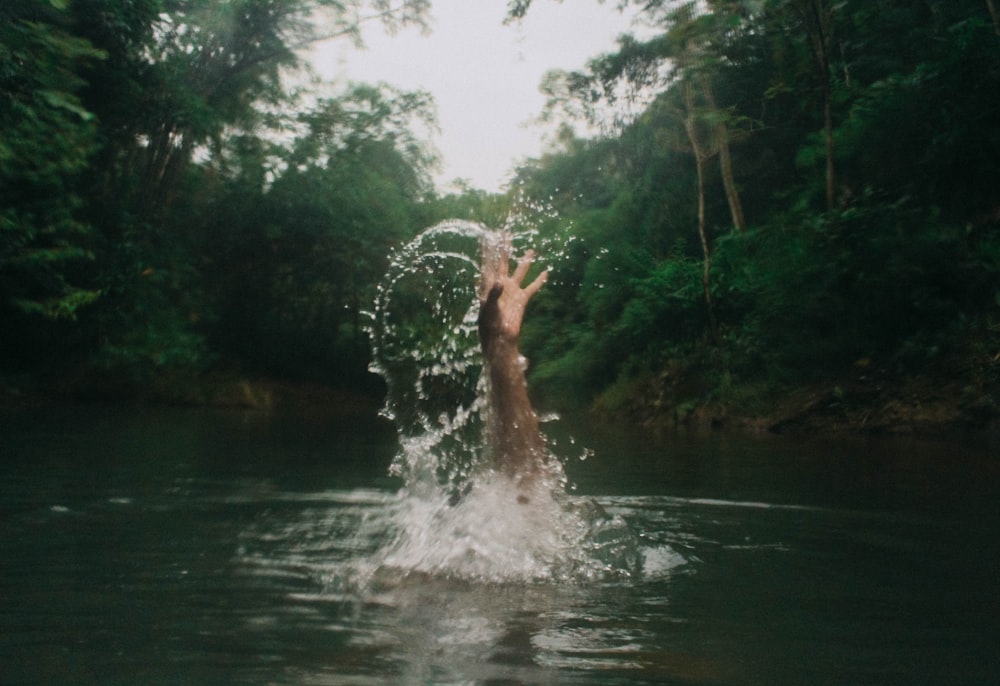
(483, 75)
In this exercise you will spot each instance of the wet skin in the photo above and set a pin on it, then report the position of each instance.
(517, 444)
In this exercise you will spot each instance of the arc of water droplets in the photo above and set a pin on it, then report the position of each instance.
(424, 366)
(426, 349)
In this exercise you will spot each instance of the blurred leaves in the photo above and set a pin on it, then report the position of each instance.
(46, 138)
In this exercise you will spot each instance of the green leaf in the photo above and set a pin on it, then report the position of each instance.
(65, 101)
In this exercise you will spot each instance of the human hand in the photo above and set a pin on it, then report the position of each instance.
(503, 299)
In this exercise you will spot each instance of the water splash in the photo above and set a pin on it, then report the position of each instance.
(455, 516)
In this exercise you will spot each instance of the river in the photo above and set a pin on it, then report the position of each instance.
(196, 546)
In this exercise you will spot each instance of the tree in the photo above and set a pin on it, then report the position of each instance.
(194, 68)
(695, 44)
(855, 251)
(295, 275)
(816, 18)
(186, 77)
(680, 63)
(47, 137)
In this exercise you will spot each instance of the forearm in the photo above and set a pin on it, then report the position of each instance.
(508, 385)
(515, 435)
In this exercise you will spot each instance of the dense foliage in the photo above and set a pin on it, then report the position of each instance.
(809, 196)
(178, 195)
(804, 194)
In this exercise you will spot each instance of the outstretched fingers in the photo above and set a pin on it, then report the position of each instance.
(496, 271)
(521, 271)
(536, 285)
(523, 265)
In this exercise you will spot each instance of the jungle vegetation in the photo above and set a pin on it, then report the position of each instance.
(805, 194)
(809, 199)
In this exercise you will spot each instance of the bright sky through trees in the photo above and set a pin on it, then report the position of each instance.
(483, 74)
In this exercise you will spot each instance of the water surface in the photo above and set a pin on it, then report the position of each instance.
(176, 546)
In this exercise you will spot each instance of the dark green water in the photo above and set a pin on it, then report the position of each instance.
(206, 547)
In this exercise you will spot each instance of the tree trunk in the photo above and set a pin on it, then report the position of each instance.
(817, 21)
(828, 134)
(691, 127)
(725, 161)
(706, 269)
(991, 6)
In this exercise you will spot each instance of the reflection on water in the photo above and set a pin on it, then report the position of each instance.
(176, 547)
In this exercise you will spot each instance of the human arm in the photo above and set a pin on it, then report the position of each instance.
(515, 439)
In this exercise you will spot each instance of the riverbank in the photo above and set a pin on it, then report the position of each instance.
(210, 390)
(926, 406)
(944, 401)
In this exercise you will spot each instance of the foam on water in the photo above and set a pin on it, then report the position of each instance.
(487, 535)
